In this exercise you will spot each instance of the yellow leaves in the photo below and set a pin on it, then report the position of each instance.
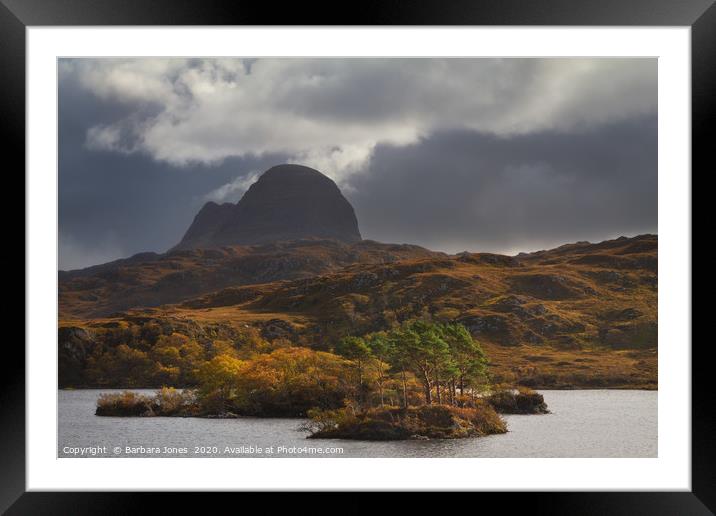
(223, 347)
(220, 368)
(286, 367)
(176, 340)
(250, 341)
(294, 365)
(221, 374)
(168, 356)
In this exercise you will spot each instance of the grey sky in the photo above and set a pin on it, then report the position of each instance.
(497, 155)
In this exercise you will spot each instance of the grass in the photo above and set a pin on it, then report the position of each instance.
(542, 367)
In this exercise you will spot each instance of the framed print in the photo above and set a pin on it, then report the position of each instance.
(423, 249)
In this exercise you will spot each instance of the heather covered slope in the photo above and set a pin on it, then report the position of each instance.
(150, 279)
(582, 315)
(602, 294)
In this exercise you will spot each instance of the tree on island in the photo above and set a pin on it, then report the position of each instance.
(380, 349)
(442, 357)
(470, 361)
(358, 352)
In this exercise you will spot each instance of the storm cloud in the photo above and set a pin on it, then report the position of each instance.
(461, 190)
(481, 154)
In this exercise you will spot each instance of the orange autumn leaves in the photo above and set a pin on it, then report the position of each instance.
(286, 382)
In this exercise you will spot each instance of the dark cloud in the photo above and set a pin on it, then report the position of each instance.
(464, 190)
(331, 113)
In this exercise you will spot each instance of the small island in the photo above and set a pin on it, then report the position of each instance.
(393, 423)
(420, 380)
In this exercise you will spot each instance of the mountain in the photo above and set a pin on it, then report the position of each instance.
(288, 202)
(581, 315)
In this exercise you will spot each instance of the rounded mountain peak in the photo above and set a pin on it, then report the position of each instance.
(287, 202)
(291, 171)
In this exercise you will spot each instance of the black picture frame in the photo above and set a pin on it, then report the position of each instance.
(17, 15)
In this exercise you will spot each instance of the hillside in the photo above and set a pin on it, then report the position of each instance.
(581, 315)
(151, 279)
(600, 294)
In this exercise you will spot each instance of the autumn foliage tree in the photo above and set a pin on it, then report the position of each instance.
(218, 380)
(286, 382)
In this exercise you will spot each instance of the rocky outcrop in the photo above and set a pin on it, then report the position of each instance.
(288, 202)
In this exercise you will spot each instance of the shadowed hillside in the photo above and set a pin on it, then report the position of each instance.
(150, 279)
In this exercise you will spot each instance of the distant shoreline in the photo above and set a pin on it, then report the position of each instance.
(643, 388)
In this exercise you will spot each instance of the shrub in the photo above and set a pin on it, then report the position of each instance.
(522, 401)
(165, 402)
(169, 401)
(125, 403)
(290, 381)
(392, 423)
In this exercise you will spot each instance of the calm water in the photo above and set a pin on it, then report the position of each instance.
(588, 423)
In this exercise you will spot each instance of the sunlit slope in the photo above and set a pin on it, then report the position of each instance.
(568, 298)
(581, 315)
